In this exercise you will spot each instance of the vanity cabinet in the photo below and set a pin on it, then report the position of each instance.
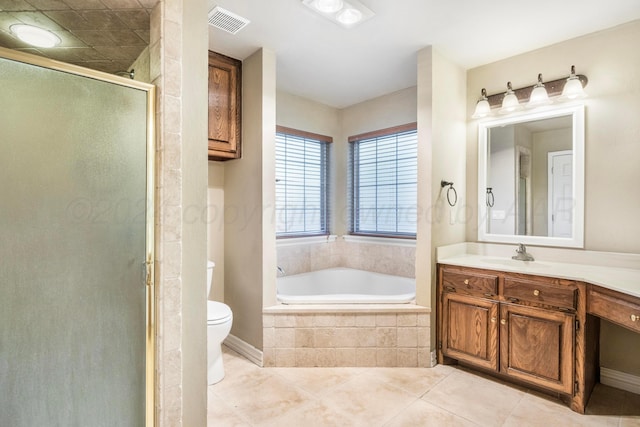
(517, 326)
(225, 123)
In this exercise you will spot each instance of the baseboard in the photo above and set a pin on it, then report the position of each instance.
(245, 349)
(620, 380)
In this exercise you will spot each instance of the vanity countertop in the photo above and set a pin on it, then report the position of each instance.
(626, 280)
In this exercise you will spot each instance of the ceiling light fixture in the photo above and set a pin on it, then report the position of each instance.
(346, 13)
(35, 36)
(559, 90)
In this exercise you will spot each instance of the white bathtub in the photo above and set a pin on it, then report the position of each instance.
(344, 286)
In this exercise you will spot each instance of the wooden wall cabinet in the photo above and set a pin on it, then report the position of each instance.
(225, 109)
(525, 328)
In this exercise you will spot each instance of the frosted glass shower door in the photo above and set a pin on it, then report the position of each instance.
(73, 245)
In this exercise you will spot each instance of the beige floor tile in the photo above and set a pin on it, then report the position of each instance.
(370, 402)
(416, 381)
(483, 401)
(219, 413)
(318, 381)
(267, 400)
(422, 413)
(313, 414)
(534, 410)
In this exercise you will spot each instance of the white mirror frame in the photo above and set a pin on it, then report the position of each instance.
(577, 113)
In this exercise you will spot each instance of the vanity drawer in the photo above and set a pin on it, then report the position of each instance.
(610, 306)
(469, 282)
(540, 292)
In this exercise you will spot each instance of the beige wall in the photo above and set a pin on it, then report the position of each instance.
(612, 207)
(249, 196)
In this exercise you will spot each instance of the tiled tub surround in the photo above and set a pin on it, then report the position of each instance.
(363, 335)
(393, 259)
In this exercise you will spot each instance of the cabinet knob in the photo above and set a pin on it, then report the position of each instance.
(503, 322)
(466, 281)
(493, 320)
(634, 318)
(536, 292)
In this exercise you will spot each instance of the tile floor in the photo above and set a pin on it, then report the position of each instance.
(393, 397)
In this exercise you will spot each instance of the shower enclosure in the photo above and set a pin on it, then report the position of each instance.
(76, 246)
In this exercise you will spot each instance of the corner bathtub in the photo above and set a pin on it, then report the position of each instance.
(345, 286)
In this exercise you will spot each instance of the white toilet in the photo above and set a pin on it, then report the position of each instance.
(219, 319)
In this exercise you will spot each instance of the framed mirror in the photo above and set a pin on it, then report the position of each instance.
(531, 178)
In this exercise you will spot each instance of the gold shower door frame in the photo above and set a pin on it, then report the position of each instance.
(150, 318)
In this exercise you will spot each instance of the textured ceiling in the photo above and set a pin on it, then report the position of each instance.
(104, 35)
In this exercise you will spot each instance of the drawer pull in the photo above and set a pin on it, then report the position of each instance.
(635, 318)
(493, 320)
(466, 281)
(512, 299)
(488, 295)
(449, 289)
(503, 322)
(536, 292)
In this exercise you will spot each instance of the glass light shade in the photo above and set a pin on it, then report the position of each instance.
(573, 88)
(483, 109)
(35, 36)
(349, 16)
(510, 103)
(328, 6)
(539, 96)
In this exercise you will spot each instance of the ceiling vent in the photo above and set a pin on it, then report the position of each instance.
(226, 21)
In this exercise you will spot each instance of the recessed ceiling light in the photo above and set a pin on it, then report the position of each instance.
(349, 16)
(328, 6)
(346, 13)
(35, 36)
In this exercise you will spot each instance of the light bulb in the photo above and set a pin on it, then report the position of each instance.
(539, 95)
(329, 6)
(483, 108)
(573, 87)
(349, 16)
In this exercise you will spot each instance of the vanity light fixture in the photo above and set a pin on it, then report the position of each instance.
(35, 36)
(510, 101)
(539, 95)
(346, 13)
(483, 108)
(563, 89)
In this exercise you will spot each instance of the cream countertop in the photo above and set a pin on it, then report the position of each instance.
(618, 272)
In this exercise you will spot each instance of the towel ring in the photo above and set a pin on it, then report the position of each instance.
(490, 197)
(443, 184)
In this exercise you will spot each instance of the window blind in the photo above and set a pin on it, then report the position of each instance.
(302, 199)
(383, 183)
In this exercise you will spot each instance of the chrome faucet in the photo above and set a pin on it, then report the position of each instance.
(281, 271)
(522, 254)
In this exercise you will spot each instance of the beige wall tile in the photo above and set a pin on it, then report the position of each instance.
(323, 320)
(285, 320)
(305, 357)
(407, 357)
(304, 320)
(385, 319)
(326, 357)
(268, 320)
(285, 338)
(285, 357)
(424, 358)
(268, 338)
(408, 337)
(365, 357)
(346, 357)
(407, 319)
(345, 320)
(304, 337)
(386, 357)
(366, 320)
(386, 337)
(424, 319)
(324, 338)
(366, 337)
(423, 336)
(268, 357)
(345, 337)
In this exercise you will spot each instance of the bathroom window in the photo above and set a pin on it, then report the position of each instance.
(302, 202)
(383, 182)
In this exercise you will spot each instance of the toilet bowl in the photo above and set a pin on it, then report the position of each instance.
(219, 320)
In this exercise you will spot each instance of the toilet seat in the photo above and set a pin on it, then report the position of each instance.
(218, 313)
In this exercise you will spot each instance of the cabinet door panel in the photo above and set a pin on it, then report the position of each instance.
(537, 346)
(470, 331)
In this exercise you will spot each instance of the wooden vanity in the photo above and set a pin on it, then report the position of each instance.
(535, 330)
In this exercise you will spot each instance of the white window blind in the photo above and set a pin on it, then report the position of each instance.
(302, 200)
(383, 182)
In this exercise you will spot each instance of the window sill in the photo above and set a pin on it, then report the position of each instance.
(389, 241)
(295, 241)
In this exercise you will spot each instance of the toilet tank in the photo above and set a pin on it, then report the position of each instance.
(210, 266)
